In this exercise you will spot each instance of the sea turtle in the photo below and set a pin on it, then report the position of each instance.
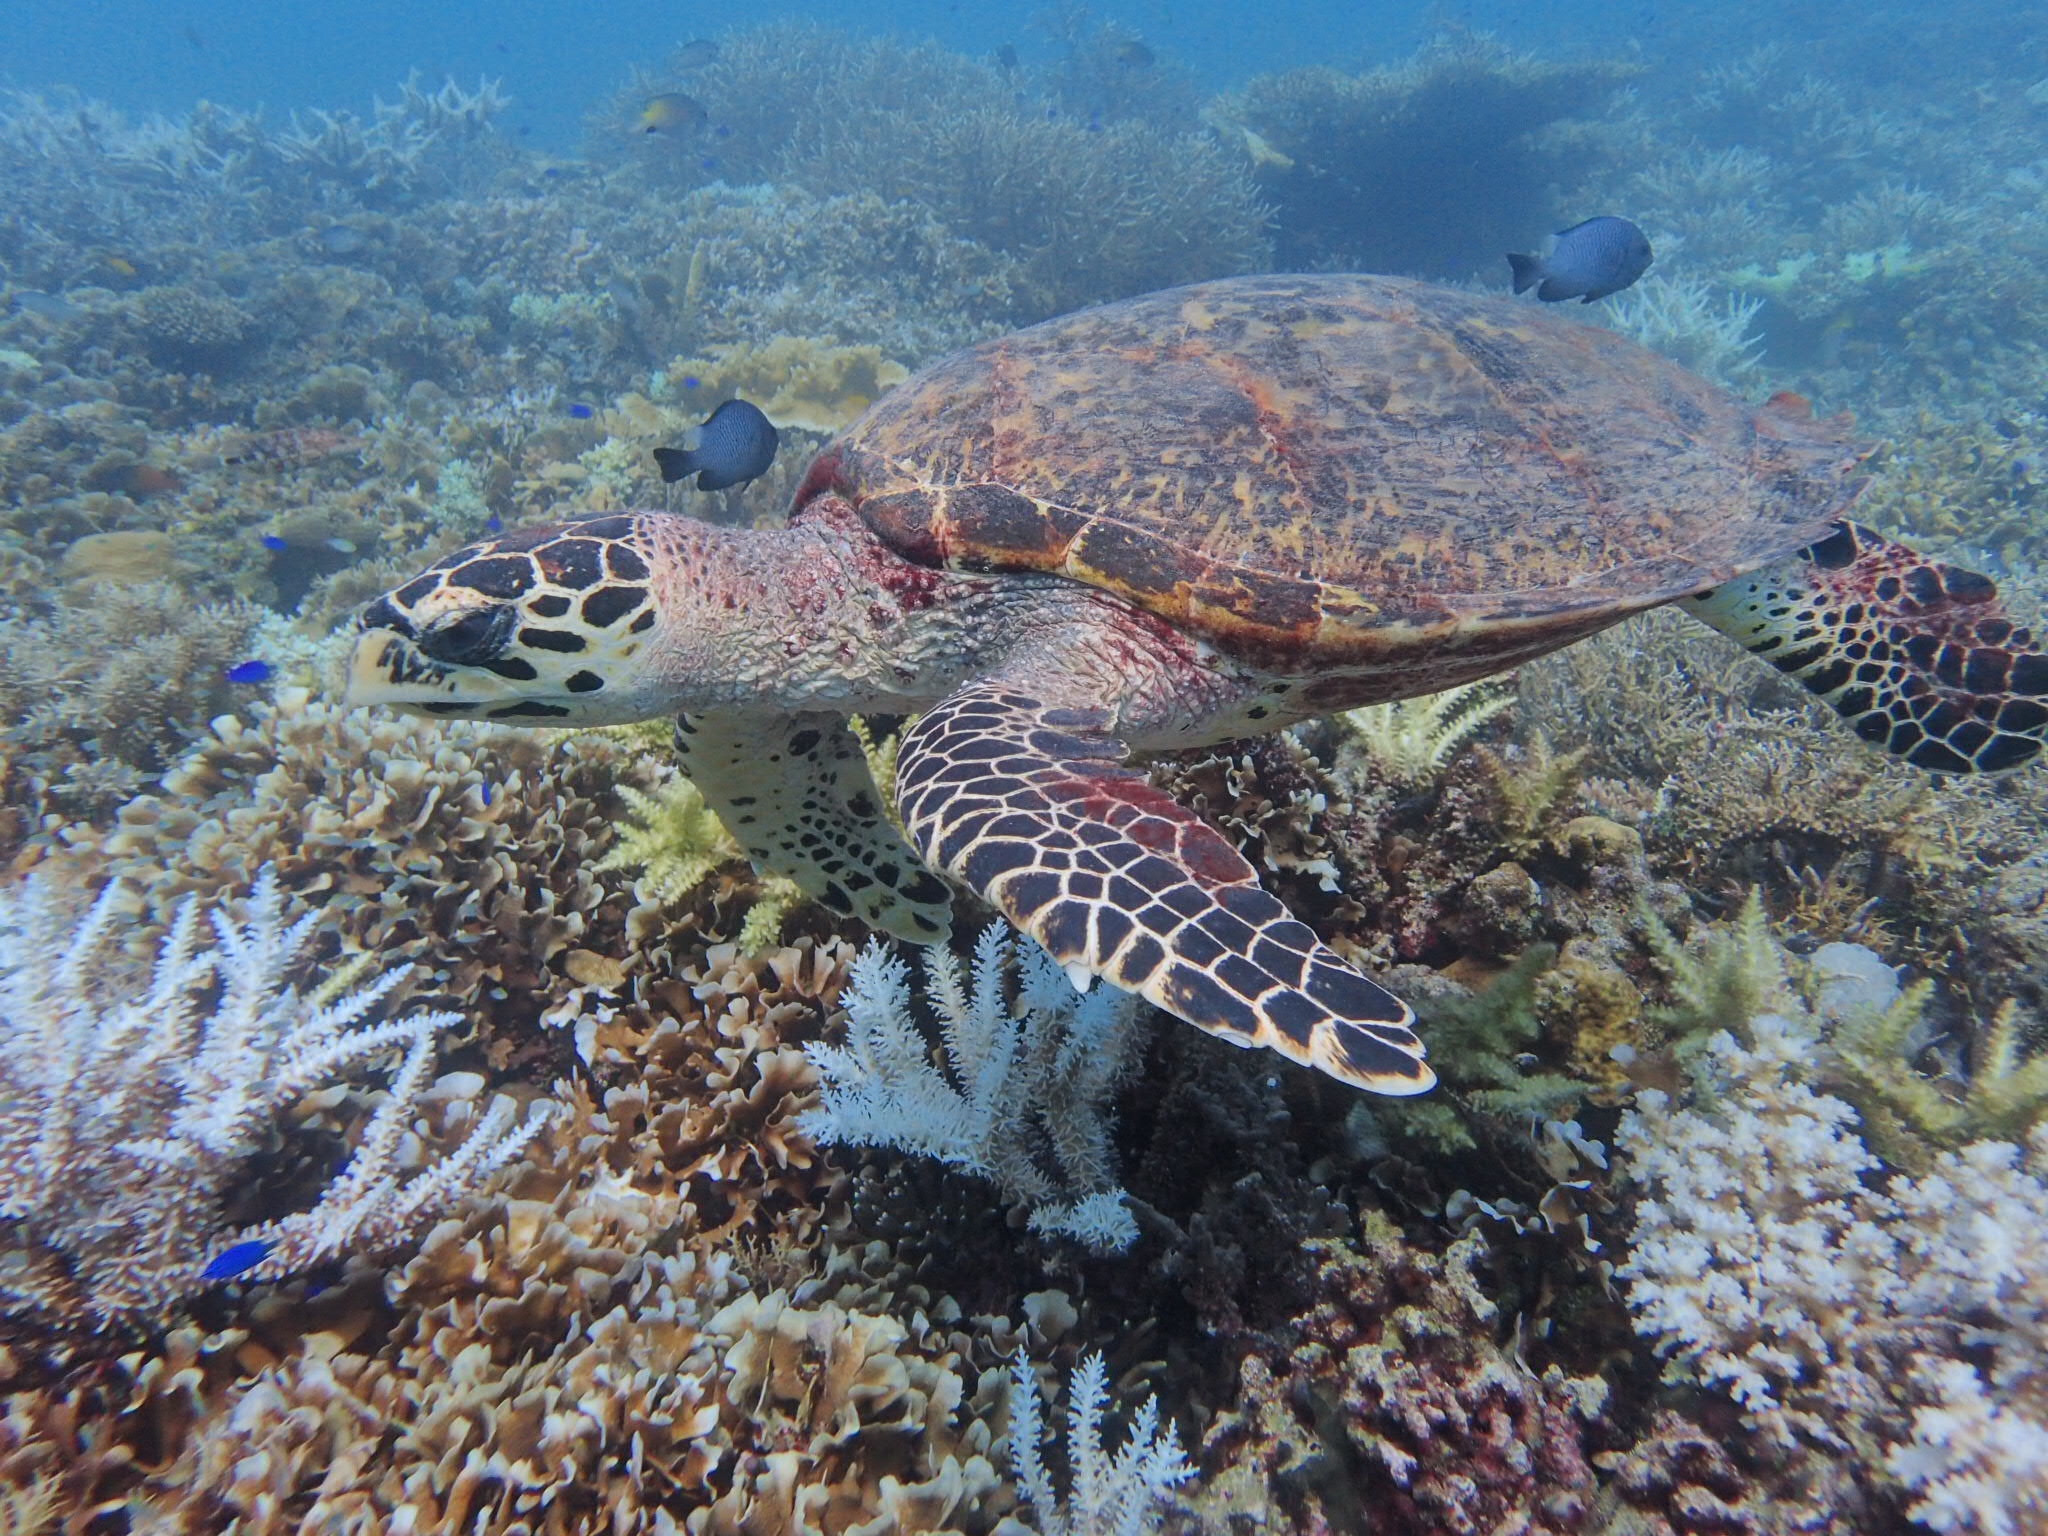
(1186, 517)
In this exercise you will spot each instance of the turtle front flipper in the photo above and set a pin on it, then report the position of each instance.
(1919, 657)
(796, 794)
(1032, 806)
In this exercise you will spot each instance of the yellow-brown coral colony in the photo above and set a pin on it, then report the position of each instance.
(431, 1126)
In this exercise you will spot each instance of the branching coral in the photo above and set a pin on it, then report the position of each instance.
(98, 697)
(1412, 739)
(1111, 1495)
(1399, 1412)
(1898, 1321)
(129, 1118)
(1028, 1076)
(1085, 210)
(677, 842)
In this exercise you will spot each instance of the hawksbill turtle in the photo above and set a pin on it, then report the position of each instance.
(1182, 518)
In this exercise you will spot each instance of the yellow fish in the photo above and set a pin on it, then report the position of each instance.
(671, 112)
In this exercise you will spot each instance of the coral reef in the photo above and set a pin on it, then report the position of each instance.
(1087, 207)
(1859, 1346)
(136, 1106)
(1432, 167)
(255, 369)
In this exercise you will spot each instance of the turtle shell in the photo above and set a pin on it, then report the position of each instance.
(1313, 468)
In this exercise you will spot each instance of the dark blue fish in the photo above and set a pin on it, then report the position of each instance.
(494, 524)
(484, 791)
(736, 444)
(1589, 261)
(691, 381)
(251, 672)
(581, 411)
(238, 1260)
(273, 543)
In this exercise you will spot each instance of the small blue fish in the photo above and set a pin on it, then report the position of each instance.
(273, 543)
(494, 524)
(1592, 259)
(736, 444)
(708, 163)
(484, 792)
(691, 381)
(238, 1260)
(251, 672)
(581, 411)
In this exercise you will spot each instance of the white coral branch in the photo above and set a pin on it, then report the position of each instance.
(130, 1106)
(1025, 1100)
(1120, 1494)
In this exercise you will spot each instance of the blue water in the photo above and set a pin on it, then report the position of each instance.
(555, 58)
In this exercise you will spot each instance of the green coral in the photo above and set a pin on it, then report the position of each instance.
(1411, 740)
(1909, 1116)
(676, 841)
(1478, 1043)
(1727, 975)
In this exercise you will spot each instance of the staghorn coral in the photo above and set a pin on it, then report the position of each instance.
(131, 1117)
(1682, 317)
(418, 140)
(1036, 1070)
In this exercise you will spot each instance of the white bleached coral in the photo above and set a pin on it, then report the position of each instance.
(1029, 1076)
(132, 1103)
(1899, 1322)
(1110, 1495)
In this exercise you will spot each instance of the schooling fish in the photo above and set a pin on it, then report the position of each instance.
(696, 53)
(736, 444)
(671, 112)
(1589, 261)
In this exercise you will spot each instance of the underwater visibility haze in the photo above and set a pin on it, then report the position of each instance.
(935, 769)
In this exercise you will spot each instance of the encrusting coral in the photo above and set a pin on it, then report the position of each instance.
(135, 1106)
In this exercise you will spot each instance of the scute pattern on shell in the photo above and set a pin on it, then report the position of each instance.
(1327, 468)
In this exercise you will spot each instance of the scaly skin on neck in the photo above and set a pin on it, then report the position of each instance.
(816, 616)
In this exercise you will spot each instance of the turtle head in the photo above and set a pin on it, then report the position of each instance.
(548, 626)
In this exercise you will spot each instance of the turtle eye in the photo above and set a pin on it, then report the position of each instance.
(473, 639)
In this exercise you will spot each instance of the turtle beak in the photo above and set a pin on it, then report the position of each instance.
(386, 668)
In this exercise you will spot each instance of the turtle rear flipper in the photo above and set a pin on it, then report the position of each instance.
(1031, 806)
(796, 794)
(1919, 657)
